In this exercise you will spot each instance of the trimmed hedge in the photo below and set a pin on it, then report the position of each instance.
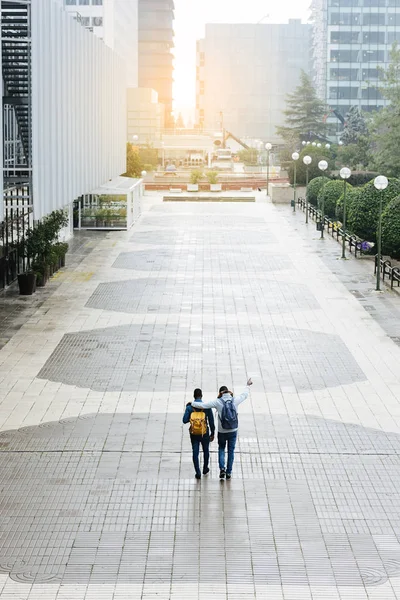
(329, 194)
(364, 212)
(351, 196)
(314, 188)
(391, 228)
(358, 179)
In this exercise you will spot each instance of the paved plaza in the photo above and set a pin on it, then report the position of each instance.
(98, 499)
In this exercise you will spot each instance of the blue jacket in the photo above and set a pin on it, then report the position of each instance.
(209, 416)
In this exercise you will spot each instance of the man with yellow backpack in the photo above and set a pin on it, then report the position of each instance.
(201, 422)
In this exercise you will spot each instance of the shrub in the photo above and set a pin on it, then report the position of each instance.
(391, 228)
(316, 154)
(195, 176)
(314, 188)
(351, 196)
(212, 177)
(364, 211)
(329, 194)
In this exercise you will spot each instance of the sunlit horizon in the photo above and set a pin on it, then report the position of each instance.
(190, 21)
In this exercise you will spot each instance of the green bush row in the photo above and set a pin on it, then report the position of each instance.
(362, 209)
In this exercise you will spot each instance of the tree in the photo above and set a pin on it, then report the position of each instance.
(134, 165)
(305, 112)
(355, 127)
(386, 123)
(356, 156)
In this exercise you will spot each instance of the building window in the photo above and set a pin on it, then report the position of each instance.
(344, 56)
(393, 36)
(343, 93)
(70, 2)
(97, 2)
(374, 18)
(373, 37)
(368, 74)
(84, 2)
(345, 18)
(374, 3)
(394, 2)
(368, 108)
(85, 21)
(373, 56)
(371, 94)
(97, 21)
(344, 37)
(345, 3)
(344, 74)
(393, 19)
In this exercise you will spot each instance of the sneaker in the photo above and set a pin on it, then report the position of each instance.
(228, 475)
(198, 476)
(222, 474)
(206, 471)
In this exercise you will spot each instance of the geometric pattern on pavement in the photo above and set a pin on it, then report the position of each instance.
(205, 237)
(207, 295)
(131, 357)
(201, 259)
(313, 502)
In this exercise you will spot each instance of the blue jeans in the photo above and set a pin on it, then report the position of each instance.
(223, 439)
(204, 440)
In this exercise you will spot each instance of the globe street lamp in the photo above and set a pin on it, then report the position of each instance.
(319, 145)
(144, 173)
(344, 174)
(268, 147)
(327, 146)
(322, 166)
(135, 138)
(381, 182)
(304, 143)
(295, 158)
(314, 144)
(307, 160)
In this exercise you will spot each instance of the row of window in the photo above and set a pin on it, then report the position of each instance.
(344, 109)
(350, 18)
(369, 3)
(94, 21)
(352, 93)
(84, 2)
(355, 74)
(364, 37)
(350, 56)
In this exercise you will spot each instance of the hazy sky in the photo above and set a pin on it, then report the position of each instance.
(192, 15)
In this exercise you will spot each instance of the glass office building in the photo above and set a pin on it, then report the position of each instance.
(352, 40)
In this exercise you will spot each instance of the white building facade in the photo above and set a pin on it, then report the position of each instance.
(116, 23)
(351, 42)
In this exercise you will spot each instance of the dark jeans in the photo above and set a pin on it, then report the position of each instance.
(223, 439)
(204, 440)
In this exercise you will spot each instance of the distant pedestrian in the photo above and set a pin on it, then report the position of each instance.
(201, 423)
(226, 405)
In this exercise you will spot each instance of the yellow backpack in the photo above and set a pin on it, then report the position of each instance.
(198, 423)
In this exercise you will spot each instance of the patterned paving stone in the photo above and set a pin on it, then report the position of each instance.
(199, 259)
(195, 236)
(87, 514)
(128, 358)
(204, 296)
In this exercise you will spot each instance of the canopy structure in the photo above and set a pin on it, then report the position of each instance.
(114, 205)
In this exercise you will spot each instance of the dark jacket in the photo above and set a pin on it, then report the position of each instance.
(209, 416)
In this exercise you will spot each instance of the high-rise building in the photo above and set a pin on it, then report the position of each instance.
(351, 41)
(116, 23)
(244, 73)
(156, 40)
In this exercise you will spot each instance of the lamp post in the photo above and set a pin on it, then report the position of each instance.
(381, 182)
(268, 147)
(344, 174)
(295, 158)
(307, 160)
(322, 166)
(135, 138)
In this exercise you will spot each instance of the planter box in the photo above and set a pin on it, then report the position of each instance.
(193, 187)
(27, 284)
(215, 187)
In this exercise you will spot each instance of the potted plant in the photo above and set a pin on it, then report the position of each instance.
(212, 177)
(195, 177)
(27, 283)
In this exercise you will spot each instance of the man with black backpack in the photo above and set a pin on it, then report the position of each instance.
(200, 420)
(226, 405)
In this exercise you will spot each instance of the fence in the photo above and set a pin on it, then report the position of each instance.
(353, 242)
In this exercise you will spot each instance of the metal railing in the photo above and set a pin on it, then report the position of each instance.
(393, 273)
(354, 243)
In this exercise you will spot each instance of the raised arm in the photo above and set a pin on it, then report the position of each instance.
(239, 399)
(211, 404)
